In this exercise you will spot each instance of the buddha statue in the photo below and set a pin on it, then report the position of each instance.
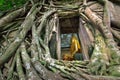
(74, 48)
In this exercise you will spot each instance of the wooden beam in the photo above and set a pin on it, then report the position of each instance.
(83, 39)
(58, 39)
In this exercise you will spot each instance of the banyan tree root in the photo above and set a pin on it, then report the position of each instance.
(17, 41)
(106, 33)
(25, 51)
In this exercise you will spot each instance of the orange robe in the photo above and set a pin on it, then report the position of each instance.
(74, 48)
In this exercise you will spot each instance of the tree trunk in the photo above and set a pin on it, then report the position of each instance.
(30, 40)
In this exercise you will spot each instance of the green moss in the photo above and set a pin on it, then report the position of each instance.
(10, 4)
(114, 70)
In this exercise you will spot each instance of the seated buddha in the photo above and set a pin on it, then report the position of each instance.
(74, 48)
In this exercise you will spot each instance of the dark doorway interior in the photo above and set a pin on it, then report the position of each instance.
(68, 27)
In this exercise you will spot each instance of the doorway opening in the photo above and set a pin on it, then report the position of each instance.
(69, 28)
(66, 31)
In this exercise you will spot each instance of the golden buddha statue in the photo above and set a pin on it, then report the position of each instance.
(74, 48)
